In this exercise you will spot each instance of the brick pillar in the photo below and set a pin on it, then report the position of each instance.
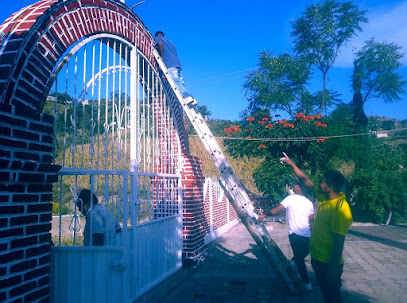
(26, 176)
(195, 224)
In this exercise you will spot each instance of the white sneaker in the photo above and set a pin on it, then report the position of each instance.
(308, 286)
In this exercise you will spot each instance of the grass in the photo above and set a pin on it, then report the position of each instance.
(243, 167)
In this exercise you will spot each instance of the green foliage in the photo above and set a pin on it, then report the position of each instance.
(272, 179)
(79, 240)
(380, 187)
(56, 210)
(305, 145)
(374, 123)
(375, 76)
(388, 124)
(322, 30)
(203, 109)
(278, 84)
(376, 65)
(349, 148)
(217, 126)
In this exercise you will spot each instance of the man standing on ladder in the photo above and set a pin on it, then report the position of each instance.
(168, 52)
(332, 221)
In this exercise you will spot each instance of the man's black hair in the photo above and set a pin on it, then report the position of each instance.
(300, 184)
(334, 179)
(159, 33)
(84, 195)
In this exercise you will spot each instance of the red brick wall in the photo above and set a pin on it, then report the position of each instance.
(195, 222)
(26, 177)
(217, 208)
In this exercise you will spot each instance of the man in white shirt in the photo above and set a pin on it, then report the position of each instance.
(299, 213)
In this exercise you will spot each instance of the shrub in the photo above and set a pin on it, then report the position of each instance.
(56, 209)
(379, 188)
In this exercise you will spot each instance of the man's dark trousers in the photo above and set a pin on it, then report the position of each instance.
(300, 246)
(329, 283)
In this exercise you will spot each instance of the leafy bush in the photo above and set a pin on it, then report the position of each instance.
(305, 144)
(68, 241)
(379, 188)
(56, 208)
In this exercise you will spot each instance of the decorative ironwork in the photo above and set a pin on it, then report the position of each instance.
(114, 135)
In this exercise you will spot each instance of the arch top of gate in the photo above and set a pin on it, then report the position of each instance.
(35, 38)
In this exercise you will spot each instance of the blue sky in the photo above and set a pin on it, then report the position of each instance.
(218, 42)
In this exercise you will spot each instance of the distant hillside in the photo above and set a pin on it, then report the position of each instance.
(395, 130)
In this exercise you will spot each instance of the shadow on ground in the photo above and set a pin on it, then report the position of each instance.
(235, 271)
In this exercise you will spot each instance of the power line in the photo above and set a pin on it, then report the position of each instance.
(304, 139)
(222, 75)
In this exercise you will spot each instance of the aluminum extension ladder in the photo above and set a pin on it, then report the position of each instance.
(236, 193)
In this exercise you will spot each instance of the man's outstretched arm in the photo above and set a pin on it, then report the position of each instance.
(273, 211)
(298, 172)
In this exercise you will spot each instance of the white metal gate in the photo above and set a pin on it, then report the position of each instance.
(114, 134)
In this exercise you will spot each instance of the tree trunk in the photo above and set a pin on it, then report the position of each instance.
(359, 116)
(323, 94)
(389, 218)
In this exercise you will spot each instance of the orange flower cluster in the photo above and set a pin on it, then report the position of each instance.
(262, 146)
(261, 122)
(322, 140)
(250, 119)
(230, 130)
(305, 118)
(264, 119)
(319, 124)
(285, 123)
(269, 125)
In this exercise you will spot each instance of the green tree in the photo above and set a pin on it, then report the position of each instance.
(375, 76)
(278, 84)
(203, 109)
(322, 30)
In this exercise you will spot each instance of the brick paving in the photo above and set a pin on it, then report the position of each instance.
(235, 271)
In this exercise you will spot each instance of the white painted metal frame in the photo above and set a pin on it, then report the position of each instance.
(114, 134)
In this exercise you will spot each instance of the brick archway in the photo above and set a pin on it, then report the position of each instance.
(36, 38)
(33, 41)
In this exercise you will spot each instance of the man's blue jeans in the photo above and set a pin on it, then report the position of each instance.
(176, 75)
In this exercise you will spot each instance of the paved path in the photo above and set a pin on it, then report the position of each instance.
(235, 271)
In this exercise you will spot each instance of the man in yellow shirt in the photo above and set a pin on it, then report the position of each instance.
(332, 221)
